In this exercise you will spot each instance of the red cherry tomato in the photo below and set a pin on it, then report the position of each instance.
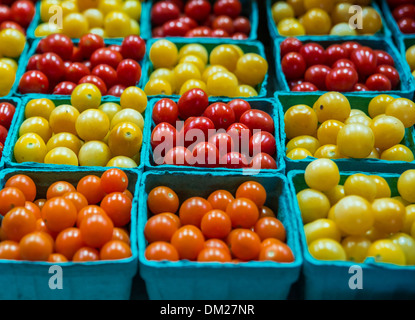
(12, 25)
(378, 82)
(293, 65)
(293, 83)
(304, 87)
(391, 73)
(133, 47)
(178, 3)
(223, 142)
(4, 13)
(240, 135)
(221, 115)
(383, 57)
(7, 111)
(317, 75)
(64, 88)
(192, 103)
(205, 154)
(34, 82)
(60, 44)
(107, 73)
(239, 36)
(89, 43)
(165, 110)
(234, 160)
(343, 63)
(96, 81)
(365, 60)
(178, 156)
(407, 25)
(128, 72)
(224, 23)
(163, 11)
(197, 129)
(191, 23)
(52, 66)
(198, 10)
(76, 71)
(22, 12)
(242, 25)
(219, 33)
(157, 32)
(77, 56)
(116, 90)
(163, 133)
(115, 47)
(290, 45)
(231, 8)
(262, 142)
(360, 87)
(341, 79)
(106, 56)
(32, 63)
(313, 53)
(349, 46)
(3, 134)
(404, 11)
(258, 119)
(239, 106)
(263, 161)
(335, 52)
(199, 32)
(175, 28)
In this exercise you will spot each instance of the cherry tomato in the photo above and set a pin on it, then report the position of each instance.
(263, 161)
(335, 52)
(404, 11)
(221, 115)
(293, 65)
(76, 71)
(163, 134)
(128, 72)
(349, 46)
(59, 214)
(360, 87)
(25, 184)
(378, 82)
(161, 250)
(245, 245)
(407, 25)
(191, 23)
(107, 73)
(89, 43)
(175, 28)
(231, 8)
(90, 186)
(59, 44)
(199, 32)
(22, 12)
(198, 10)
(106, 56)
(4, 12)
(316, 75)
(341, 79)
(11, 197)
(391, 73)
(257, 119)
(118, 207)
(234, 160)
(188, 241)
(64, 88)
(116, 90)
(304, 86)
(192, 103)
(365, 60)
(133, 47)
(96, 230)
(7, 111)
(165, 110)
(239, 106)
(178, 156)
(164, 11)
(252, 190)
(115, 250)
(382, 57)
(313, 53)
(34, 82)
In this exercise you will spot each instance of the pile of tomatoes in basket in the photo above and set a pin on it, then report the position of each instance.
(85, 221)
(199, 18)
(7, 111)
(344, 67)
(220, 228)
(16, 15)
(195, 132)
(59, 65)
(403, 12)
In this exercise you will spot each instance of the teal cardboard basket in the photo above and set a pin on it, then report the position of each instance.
(32, 51)
(392, 23)
(339, 280)
(100, 280)
(249, 10)
(248, 46)
(267, 105)
(287, 100)
(407, 81)
(384, 32)
(37, 21)
(188, 280)
(8, 153)
(17, 104)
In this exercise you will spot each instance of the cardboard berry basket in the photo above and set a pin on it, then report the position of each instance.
(392, 23)
(189, 280)
(17, 103)
(337, 280)
(249, 10)
(267, 105)
(407, 83)
(8, 153)
(37, 20)
(106, 280)
(248, 46)
(32, 51)
(384, 32)
(403, 44)
(287, 100)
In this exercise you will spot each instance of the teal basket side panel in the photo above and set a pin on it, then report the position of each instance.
(18, 105)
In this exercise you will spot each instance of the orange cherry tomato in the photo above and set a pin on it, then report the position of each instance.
(9, 250)
(115, 250)
(58, 189)
(269, 227)
(59, 214)
(86, 254)
(90, 186)
(25, 184)
(114, 180)
(77, 198)
(17, 223)
(276, 252)
(193, 209)
(118, 207)
(252, 190)
(162, 199)
(245, 245)
(96, 230)
(220, 199)
(243, 212)
(57, 258)
(87, 211)
(216, 224)
(160, 228)
(161, 250)
(36, 246)
(68, 242)
(121, 234)
(188, 241)
(33, 208)
(214, 255)
(10, 198)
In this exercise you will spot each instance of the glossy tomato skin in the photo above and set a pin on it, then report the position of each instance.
(224, 23)
(234, 160)
(242, 25)
(51, 65)
(342, 63)
(133, 47)
(221, 115)
(404, 11)
(231, 8)
(335, 52)
(12, 25)
(58, 43)
(163, 11)
(197, 129)
(97, 81)
(407, 25)
(223, 143)
(382, 57)
(7, 111)
(258, 119)
(365, 60)
(178, 156)
(341, 79)
(263, 161)
(205, 154)
(378, 82)
(391, 73)
(89, 43)
(191, 23)
(22, 12)
(290, 45)
(201, 31)
(76, 71)
(239, 106)
(293, 65)
(317, 75)
(262, 142)
(106, 56)
(34, 82)
(32, 63)
(163, 132)
(128, 72)
(116, 90)
(198, 10)
(107, 73)
(305, 86)
(175, 28)
(360, 87)
(313, 53)
(165, 110)
(4, 13)
(192, 103)
(3, 134)
(64, 88)
(349, 46)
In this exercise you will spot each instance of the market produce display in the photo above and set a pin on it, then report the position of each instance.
(59, 65)
(88, 221)
(333, 129)
(195, 132)
(7, 111)
(106, 18)
(356, 216)
(85, 131)
(224, 227)
(199, 18)
(348, 66)
(324, 17)
(403, 12)
(225, 70)
(16, 15)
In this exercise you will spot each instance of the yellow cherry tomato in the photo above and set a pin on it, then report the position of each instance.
(42, 107)
(156, 87)
(128, 115)
(117, 24)
(36, 125)
(322, 174)
(194, 49)
(342, 29)
(186, 71)
(246, 91)
(327, 250)
(374, 154)
(164, 74)
(163, 54)
(359, 118)
(362, 185)
(389, 214)
(409, 219)
(388, 131)
(45, 29)
(300, 120)
(45, 9)
(196, 60)
(356, 248)
(386, 251)
(356, 112)
(211, 70)
(378, 104)
(328, 151)
(327, 132)
(191, 84)
(110, 109)
(95, 18)
(313, 205)
(340, 13)
(86, 96)
(61, 156)
(403, 109)
(132, 8)
(134, 28)
(410, 57)
(68, 7)
(406, 185)
(64, 139)
(298, 7)
(224, 55)
(134, 98)
(354, 215)
(87, 4)
(316, 21)
(75, 25)
(355, 140)
(30, 147)
(335, 194)
(407, 244)
(92, 124)
(398, 152)
(371, 21)
(7, 78)
(222, 84)
(290, 27)
(307, 142)
(63, 119)
(125, 139)
(94, 153)
(251, 69)
(122, 162)
(11, 62)
(326, 5)
(332, 106)
(320, 229)
(108, 6)
(281, 10)
(98, 31)
(298, 154)
(383, 189)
